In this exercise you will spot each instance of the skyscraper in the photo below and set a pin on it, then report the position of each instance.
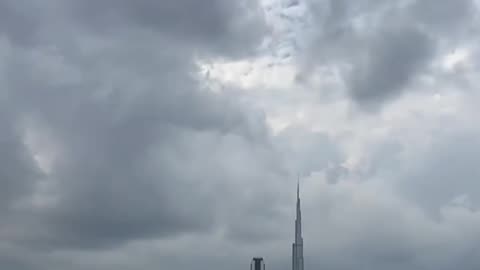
(297, 246)
(257, 264)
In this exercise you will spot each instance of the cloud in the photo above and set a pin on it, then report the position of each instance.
(448, 171)
(447, 17)
(380, 47)
(368, 224)
(393, 58)
(130, 132)
(308, 152)
(19, 21)
(229, 27)
(18, 172)
(117, 155)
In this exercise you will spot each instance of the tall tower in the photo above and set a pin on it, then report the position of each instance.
(257, 264)
(297, 246)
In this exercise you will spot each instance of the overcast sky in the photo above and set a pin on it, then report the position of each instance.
(143, 134)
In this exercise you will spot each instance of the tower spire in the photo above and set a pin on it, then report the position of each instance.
(298, 188)
(297, 246)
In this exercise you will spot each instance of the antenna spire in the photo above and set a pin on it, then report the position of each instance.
(297, 246)
(298, 188)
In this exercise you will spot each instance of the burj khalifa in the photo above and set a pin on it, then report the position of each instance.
(297, 246)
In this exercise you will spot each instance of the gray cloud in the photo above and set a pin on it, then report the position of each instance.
(19, 21)
(127, 123)
(393, 58)
(368, 225)
(444, 16)
(336, 173)
(448, 172)
(114, 155)
(231, 27)
(120, 160)
(380, 47)
(308, 152)
(18, 172)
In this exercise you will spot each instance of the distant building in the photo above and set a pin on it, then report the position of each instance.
(257, 264)
(297, 246)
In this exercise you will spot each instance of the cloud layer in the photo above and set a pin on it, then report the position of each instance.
(122, 148)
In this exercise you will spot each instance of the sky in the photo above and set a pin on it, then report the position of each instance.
(169, 134)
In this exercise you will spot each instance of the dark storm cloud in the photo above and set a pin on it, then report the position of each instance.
(393, 58)
(131, 130)
(20, 259)
(18, 263)
(19, 20)
(381, 47)
(228, 27)
(124, 160)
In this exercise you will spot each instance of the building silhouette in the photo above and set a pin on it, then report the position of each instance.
(257, 264)
(297, 246)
